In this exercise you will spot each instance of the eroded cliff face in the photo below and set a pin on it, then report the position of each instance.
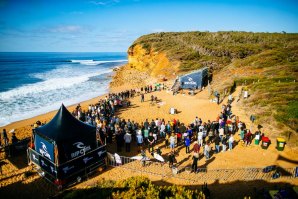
(156, 64)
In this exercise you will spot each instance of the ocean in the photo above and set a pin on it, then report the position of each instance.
(35, 83)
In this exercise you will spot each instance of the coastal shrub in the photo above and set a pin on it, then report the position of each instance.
(134, 187)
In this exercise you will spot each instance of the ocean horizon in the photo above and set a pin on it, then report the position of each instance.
(34, 83)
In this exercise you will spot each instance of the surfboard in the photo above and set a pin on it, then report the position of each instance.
(137, 158)
(117, 158)
(158, 157)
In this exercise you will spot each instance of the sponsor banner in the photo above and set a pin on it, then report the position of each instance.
(43, 162)
(193, 80)
(44, 147)
(77, 148)
(71, 167)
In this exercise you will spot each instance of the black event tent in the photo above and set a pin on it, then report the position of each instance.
(66, 148)
(66, 134)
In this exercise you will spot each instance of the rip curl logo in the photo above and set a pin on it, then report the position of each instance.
(190, 81)
(82, 149)
(44, 151)
(79, 145)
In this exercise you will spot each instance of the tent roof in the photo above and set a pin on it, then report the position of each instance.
(65, 127)
(201, 70)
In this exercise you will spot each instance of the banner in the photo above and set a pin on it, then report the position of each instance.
(194, 80)
(75, 148)
(44, 147)
(71, 167)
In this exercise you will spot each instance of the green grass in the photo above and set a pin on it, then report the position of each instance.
(271, 60)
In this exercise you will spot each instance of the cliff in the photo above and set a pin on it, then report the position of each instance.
(266, 63)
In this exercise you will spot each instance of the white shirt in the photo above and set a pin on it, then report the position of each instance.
(231, 139)
(200, 135)
(140, 138)
(162, 128)
(221, 131)
(127, 138)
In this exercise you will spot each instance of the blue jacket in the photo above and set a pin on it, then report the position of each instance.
(187, 142)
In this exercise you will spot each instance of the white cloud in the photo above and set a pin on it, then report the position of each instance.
(66, 29)
(104, 2)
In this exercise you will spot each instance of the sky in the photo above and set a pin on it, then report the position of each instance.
(113, 25)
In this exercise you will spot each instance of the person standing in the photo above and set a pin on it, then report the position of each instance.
(142, 97)
(140, 140)
(195, 158)
(196, 147)
(167, 138)
(171, 159)
(187, 144)
(200, 137)
(216, 141)
(172, 142)
(162, 130)
(231, 141)
(127, 139)
(207, 150)
(4, 137)
(224, 144)
(151, 142)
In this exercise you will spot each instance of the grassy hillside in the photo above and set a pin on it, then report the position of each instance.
(267, 63)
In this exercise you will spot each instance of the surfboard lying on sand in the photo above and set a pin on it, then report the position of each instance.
(140, 158)
(158, 157)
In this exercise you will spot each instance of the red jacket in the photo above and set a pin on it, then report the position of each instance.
(196, 148)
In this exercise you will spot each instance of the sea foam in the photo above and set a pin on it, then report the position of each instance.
(93, 62)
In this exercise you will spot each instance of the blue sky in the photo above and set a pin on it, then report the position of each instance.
(112, 25)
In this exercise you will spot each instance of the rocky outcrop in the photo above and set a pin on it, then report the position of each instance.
(156, 64)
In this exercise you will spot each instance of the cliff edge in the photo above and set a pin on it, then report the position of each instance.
(266, 64)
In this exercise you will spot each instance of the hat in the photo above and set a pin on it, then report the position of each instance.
(139, 132)
(196, 142)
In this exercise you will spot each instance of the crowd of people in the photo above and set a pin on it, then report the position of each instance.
(110, 129)
(147, 134)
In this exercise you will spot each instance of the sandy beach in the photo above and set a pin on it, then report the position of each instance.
(188, 107)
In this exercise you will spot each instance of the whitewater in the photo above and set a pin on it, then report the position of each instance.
(35, 83)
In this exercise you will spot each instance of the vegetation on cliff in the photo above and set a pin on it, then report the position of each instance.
(267, 63)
